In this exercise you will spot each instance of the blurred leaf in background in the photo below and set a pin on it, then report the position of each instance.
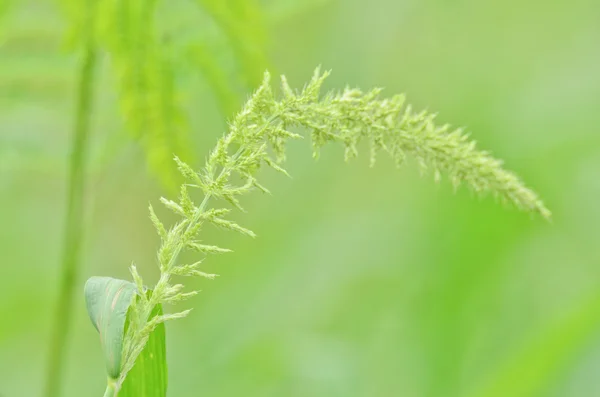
(401, 289)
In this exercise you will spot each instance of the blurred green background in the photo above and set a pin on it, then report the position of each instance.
(362, 281)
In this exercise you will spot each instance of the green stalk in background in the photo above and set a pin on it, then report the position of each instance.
(73, 234)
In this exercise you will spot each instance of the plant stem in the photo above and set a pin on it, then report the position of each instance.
(111, 390)
(73, 233)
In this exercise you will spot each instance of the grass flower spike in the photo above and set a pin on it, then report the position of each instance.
(257, 137)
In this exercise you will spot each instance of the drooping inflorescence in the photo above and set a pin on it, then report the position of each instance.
(257, 137)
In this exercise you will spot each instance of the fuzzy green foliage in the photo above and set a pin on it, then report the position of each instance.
(145, 76)
(146, 80)
(145, 66)
(146, 63)
(257, 137)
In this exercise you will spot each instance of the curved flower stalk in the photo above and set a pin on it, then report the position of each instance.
(257, 137)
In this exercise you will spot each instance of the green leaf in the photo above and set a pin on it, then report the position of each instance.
(107, 300)
(148, 377)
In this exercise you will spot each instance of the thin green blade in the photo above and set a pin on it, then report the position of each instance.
(148, 377)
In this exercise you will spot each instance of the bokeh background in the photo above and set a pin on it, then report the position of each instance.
(362, 281)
